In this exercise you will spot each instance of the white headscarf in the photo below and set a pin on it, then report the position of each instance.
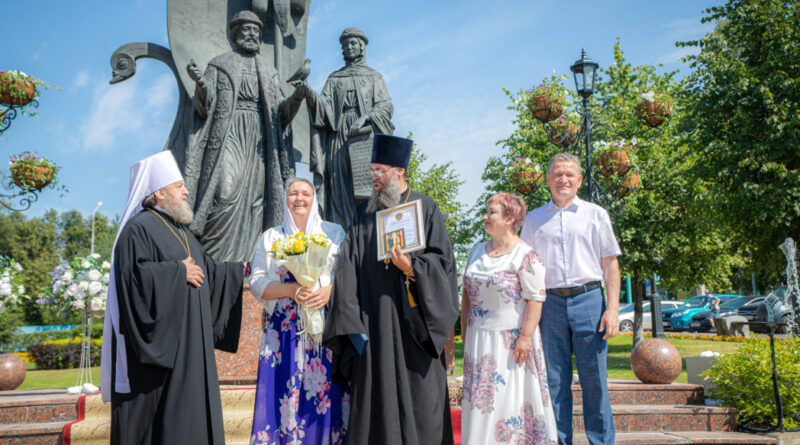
(148, 175)
(314, 223)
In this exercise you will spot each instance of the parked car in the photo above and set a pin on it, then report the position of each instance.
(783, 312)
(626, 314)
(679, 318)
(702, 321)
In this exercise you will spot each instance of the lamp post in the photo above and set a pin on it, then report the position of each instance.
(584, 72)
(94, 212)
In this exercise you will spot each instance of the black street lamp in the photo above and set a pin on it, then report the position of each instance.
(584, 72)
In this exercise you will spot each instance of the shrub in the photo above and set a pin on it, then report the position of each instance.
(744, 381)
(62, 354)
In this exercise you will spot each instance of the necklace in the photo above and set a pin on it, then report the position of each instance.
(184, 243)
(498, 251)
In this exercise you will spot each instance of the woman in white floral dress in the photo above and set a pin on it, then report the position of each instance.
(506, 399)
(296, 401)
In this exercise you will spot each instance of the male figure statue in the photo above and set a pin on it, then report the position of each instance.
(354, 104)
(579, 248)
(169, 306)
(389, 321)
(241, 158)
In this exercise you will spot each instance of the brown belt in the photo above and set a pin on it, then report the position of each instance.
(577, 290)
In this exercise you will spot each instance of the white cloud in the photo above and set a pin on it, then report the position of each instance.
(81, 79)
(132, 109)
(677, 55)
(687, 29)
(40, 51)
(463, 131)
(162, 94)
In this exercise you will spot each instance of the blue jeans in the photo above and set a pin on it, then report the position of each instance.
(569, 326)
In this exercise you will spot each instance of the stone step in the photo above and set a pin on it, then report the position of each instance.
(640, 418)
(36, 406)
(623, 392)
(684, 437)
(44, 433)
(630, 392)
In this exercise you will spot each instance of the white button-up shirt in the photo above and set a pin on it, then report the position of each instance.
(571, 241)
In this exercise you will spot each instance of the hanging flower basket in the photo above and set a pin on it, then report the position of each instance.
(16, 92)
(29, 171)
(18, 88)
(33, 177)
(563, 133)
(653, 113)
(629, 183)
(527, 181)
(546, 107)
(614, 162)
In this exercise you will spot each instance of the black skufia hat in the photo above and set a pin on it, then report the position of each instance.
(391, 150)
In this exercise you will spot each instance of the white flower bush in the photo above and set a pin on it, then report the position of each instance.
(11, 288)
(81, 284)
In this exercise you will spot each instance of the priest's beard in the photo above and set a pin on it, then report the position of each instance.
(179, 210)
(388, 196)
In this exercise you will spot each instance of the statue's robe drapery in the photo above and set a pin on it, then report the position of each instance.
(399, 382)
(238, 167)
(351, 92)
(170, 330)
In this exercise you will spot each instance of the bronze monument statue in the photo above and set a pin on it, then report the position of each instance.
(222, 161)
(242, 160)
(353, 105)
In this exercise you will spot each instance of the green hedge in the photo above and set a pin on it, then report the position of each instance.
(24, 341)
(62, 354)
(744, 382)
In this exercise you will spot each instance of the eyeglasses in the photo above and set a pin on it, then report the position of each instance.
(379, 172)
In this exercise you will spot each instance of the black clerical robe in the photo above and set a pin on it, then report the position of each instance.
(170, 330)
(399, 381)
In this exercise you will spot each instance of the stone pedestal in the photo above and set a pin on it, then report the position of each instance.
(242, 368)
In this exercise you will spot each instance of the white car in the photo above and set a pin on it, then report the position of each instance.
(626, 314)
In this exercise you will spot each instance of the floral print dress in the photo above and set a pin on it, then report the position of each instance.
(504, 402)
(296, 401)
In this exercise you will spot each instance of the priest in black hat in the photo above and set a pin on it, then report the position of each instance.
(389, 321)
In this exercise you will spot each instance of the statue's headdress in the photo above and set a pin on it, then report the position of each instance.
(353, 32)
(245, 17)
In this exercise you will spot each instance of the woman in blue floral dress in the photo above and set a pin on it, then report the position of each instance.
(506, 399)
(296, 402)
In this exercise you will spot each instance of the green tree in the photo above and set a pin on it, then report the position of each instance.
(32, 242)
(75, 235)
(662, 227)
(743, 119)
(441, 183)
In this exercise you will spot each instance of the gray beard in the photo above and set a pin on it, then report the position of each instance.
(179, 211)
(247, 46)
(385, 198)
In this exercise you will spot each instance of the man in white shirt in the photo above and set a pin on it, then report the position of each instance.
(575, 240)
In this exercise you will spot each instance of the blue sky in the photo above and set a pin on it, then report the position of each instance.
(445, 64)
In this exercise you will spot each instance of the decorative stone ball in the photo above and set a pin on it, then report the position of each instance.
(656, 361)
(12, 372)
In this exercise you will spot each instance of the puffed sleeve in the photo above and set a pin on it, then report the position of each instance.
(531, 277)
(263, 269)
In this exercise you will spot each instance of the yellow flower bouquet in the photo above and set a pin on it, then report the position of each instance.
(305, 256)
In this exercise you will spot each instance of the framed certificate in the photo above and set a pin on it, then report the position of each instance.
(400, 225)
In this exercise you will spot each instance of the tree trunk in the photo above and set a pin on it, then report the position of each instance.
(637, 285)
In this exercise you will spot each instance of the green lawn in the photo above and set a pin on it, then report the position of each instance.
(619, 365)
(619, 354)
(58, 378)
